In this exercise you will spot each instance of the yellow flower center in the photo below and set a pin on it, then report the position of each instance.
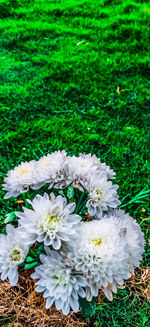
(59, 276)
(15, 255)
(24, 171)
(46, 164)
(99, 194)
(96, 241)
(52, 221)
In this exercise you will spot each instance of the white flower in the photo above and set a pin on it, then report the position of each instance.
(101, 254)
(13, 252)
(79, 169)
(133, 235)
(58, 282)
(102, 194)
(51, 220)
(50, 169)
(135, 241)
(19, 179)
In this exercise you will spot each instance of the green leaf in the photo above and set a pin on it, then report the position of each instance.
(32, 252)
(88, 308)
(31, 265)
(61, 192)
(29, 259)
(80, 202)
(70, 192)
(40, 250)
(10, 217)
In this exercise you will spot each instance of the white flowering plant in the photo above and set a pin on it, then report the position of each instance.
(73, 235)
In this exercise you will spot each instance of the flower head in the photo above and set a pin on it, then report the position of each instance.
(19, 179)
(59, 282)
(102, 194)
(80, 168)
(101, 254)
(50, 169)
(51, 220)
(133, 235)
(13, 252)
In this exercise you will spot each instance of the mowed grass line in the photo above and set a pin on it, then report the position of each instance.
(75, 76)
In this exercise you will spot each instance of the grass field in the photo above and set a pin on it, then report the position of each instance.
(74, 75)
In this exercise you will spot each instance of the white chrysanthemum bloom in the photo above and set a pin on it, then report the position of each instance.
(51, 220)
(102, 194)
(135, 242)
(13, 252)
(133, 235)
(101, 254)
(80, 168)
(58, 282)
(50, 169)
(19, 179)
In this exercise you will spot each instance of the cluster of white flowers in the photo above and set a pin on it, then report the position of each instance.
(79, 257)
(59, 170)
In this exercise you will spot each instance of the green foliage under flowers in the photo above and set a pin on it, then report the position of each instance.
(75, 76)
(88, 308)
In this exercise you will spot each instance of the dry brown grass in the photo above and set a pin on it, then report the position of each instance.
(21, 306)
(139, 284)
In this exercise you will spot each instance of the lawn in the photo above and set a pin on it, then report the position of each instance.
(74, 75)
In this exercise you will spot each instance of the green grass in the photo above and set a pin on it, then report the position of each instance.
(122, 313)
(75, 76)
